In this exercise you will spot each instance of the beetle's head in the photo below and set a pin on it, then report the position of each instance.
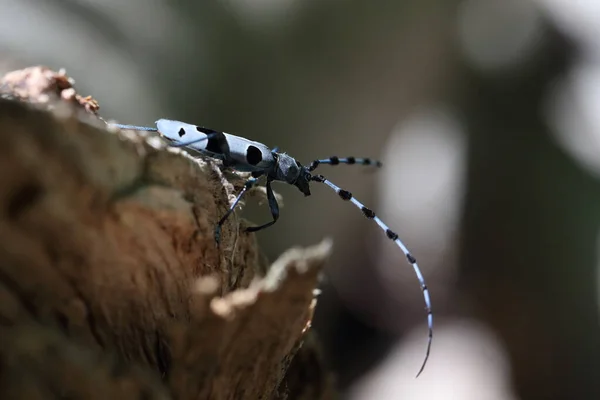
(291, 171)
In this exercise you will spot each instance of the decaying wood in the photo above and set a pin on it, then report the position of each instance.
(111, 284)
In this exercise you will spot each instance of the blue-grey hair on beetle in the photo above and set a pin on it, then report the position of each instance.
(246, 155)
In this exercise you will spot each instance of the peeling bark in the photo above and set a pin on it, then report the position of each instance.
(111, 283)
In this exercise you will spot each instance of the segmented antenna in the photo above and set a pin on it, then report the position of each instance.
(347, 196)
(334, 160)
(135, 127)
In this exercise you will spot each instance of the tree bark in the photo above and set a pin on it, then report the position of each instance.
(111, 283)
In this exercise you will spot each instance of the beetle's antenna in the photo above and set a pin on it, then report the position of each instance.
(135, 127)
(345, 195)
(334, 160)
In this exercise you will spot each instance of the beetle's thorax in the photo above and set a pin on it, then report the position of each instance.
(288, 170)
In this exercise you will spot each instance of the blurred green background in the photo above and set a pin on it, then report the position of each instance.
(486, 115)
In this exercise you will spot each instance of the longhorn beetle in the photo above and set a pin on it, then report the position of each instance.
(249, 156)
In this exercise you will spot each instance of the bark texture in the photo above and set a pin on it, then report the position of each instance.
(111, 284)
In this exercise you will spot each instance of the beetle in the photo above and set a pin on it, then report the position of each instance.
(246, 155)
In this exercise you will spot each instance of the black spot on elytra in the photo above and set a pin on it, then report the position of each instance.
(214, 146)
(216, 140)
(181, 132)
(206, 131)
(253, 155)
